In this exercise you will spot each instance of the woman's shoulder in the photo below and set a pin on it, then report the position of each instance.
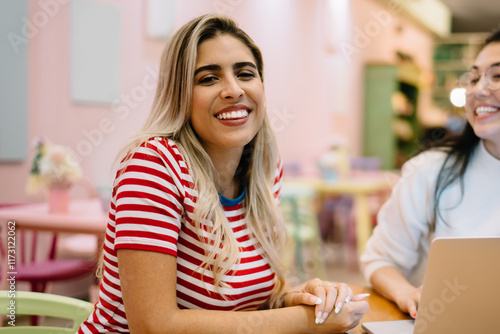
(160, 142)
(158, 151)
(425, 163)
(164, 147)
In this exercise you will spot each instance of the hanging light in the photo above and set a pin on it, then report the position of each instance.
(457, 97)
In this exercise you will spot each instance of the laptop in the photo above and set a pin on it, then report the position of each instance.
(461, 292)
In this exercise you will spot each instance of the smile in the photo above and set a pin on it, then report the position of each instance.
(233, 114)
(483, 110)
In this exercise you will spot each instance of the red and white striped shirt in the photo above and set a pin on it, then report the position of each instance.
(152, 209)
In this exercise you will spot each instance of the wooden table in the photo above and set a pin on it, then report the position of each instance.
(360, 187)
(381, 309)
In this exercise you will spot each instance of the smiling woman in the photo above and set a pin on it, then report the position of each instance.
(449, 191)
(194, 227)
(228, 97)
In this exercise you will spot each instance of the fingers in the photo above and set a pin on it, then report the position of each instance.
(331, 296)
(412, 310)
(320, 291)
(327, 296)
(413, 302)
(359, 297)
(408, 299)
(344, 296)
(350, 316)
(305, 299)
(412, 306)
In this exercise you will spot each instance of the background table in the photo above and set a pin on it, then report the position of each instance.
(360, 187)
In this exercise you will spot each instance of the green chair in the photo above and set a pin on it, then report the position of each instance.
(298, 206)
(42, 304)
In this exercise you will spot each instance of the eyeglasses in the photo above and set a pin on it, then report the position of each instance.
(491, 79)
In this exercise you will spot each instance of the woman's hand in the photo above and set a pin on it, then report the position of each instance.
(327, 296)
(408, 299)
(348, 318)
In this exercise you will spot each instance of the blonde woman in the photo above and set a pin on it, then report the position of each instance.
(194, 230)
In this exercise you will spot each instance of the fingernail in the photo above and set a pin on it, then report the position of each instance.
(339, 306)
(318, 301)
(415, 314)
(348, 299)
(363, 295)
(318, 318)
(325, 315)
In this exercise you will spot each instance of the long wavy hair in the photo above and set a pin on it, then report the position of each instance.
(459, 153)
(170, 118)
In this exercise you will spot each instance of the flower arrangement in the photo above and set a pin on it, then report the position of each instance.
(54, 166)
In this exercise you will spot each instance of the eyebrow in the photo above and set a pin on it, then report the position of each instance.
(476, 68)
(214, 67)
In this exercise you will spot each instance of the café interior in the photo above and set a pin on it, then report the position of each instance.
(354, 89)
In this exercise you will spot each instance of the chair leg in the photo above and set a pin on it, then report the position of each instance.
(34, 320)
(299, 261)
(37, 286)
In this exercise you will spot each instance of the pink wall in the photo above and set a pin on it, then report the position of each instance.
(314, 91)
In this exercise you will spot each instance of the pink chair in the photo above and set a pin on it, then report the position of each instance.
(36, 262)
(39, 269)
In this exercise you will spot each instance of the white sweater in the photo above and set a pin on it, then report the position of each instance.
(402, 237)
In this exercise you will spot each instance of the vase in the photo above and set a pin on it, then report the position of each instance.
(59, 200)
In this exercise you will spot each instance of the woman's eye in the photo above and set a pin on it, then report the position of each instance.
(207, 80)
(474, 81)
(246, 75)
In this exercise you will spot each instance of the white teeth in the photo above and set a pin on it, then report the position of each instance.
(485, 110)
(233, 114)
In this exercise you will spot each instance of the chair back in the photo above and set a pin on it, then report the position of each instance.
(75, 311)
(299, 208)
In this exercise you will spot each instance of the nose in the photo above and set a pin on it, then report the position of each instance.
(231, 89)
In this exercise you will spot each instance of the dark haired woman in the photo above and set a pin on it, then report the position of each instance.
(449, 191)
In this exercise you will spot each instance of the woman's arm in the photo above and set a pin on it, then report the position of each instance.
(391, 283)
(396, 250)
(148, 282)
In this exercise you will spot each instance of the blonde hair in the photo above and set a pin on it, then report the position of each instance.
(170, 117)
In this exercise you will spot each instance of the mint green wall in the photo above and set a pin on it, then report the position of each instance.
(378, 137)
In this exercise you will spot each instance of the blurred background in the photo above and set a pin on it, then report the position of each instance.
(373, 76)
(345, 79)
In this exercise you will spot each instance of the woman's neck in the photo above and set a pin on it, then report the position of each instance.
(493, 148)
(226, 163)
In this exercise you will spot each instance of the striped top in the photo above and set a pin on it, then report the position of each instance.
(152, 209)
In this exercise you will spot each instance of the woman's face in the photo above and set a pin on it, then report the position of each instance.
(483, 104)
(228, 96)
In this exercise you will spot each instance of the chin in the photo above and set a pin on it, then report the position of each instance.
(488, 133)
